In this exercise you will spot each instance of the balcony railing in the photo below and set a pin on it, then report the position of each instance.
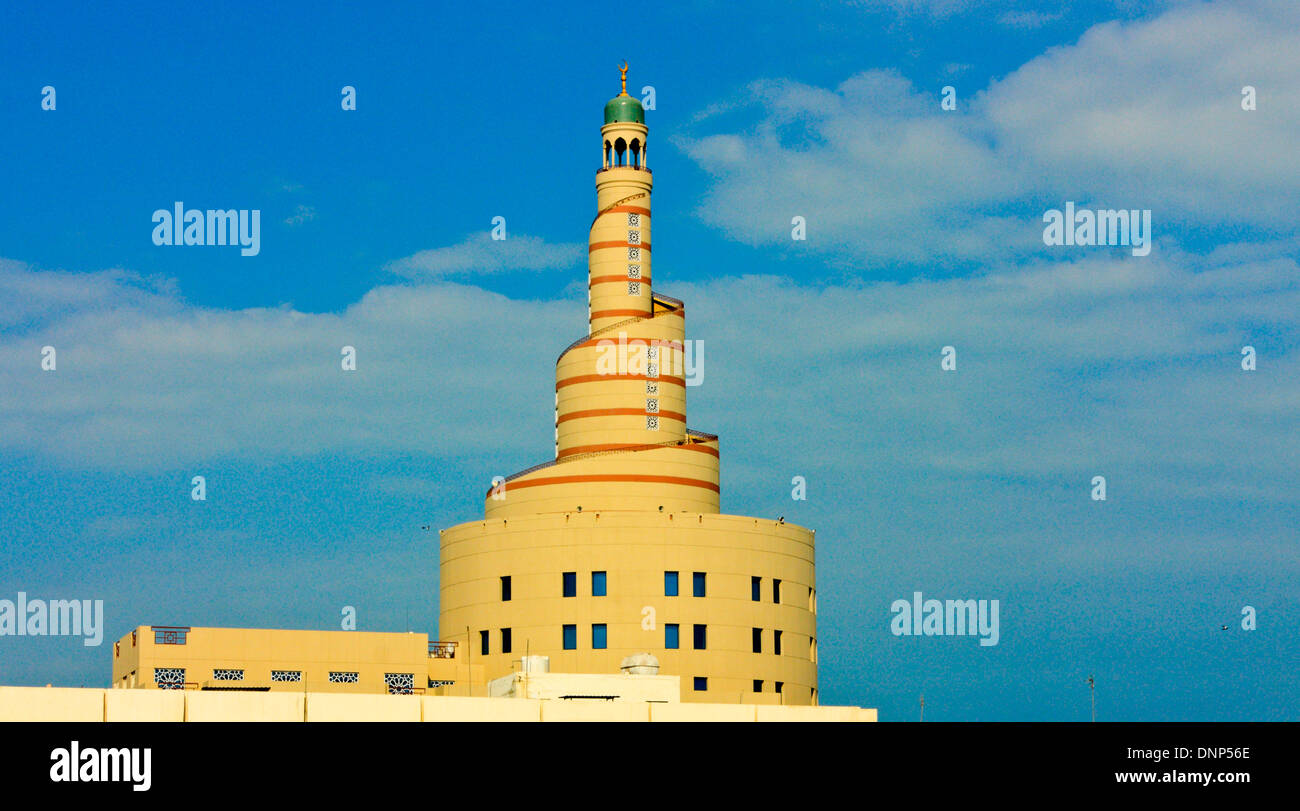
(442, 650)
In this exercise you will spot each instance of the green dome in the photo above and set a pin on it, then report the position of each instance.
(624, 109)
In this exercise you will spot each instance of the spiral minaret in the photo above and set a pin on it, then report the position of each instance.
(577, 557)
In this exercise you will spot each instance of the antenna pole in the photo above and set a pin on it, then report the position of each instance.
(1092, 694)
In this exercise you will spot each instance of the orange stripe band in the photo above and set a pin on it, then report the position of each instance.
(603, 279)
(634, 447)
(612, 478)
(569, 381)
(611, 313)
(618, 412)
(595, 246)
(614, 342)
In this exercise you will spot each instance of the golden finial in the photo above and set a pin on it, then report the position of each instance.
(623, 75)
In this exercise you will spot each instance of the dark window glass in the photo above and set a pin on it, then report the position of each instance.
(758, 685)
(776, 642)
(597, 584)
(758, 640)
(570, 637)
(701, 637)
(671, 641)
(755, 585)
(505, 640)
(670, 584)
(779, 685)
(483, 642)
(570, 584)
(698, 581)
(505, 589)
(598, 636)
(776, 591)
(701, 683)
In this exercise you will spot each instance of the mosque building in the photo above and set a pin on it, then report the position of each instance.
(602, 584)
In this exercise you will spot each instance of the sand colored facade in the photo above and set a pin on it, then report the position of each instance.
(617, 546)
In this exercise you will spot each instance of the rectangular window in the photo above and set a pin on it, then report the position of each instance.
(701, 684)
(758, 640)
(598, 636)
(505, 640)
(671, 640)
(505, 589)
(779, 685)
(597, 584)
(755, 587)
(776, 591)
(570, 584)
(670, 584)
(343, 677)
(483, 642)
(701, 637)
(570, 637)
(227, 674)
(758, 685)
(776, 642)
(286, 675)
(698, 582)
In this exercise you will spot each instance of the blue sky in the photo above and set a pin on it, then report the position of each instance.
(822, 359)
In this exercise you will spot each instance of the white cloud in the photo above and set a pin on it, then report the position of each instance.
(1063, 367)
(1142, 114)
(300, 215)
(479, 253)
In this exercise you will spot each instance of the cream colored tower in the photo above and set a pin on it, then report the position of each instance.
(578, 558)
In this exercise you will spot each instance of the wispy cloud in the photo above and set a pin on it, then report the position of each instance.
(1144, 114)
(480, 254)
(300, 215)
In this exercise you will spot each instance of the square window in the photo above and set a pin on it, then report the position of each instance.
(483, 645)
(598, 636)
(634, 237)
(633, 220)
(671, 640)
(634, 271)
(597, 584)
(570, 637)
(776, 591)
(505, 640)
(701, 637)
(505, 589)
(701, 684)
(758, 685)
(633, 253)
(670, 584)
(755, 588)
(652, 405)
(758, 640)
(570, 584)
(776, 642)
(652, 423)
(634, 288)
(698, 582)
(651, 387)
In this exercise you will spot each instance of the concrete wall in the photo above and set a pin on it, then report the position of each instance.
(94, 704)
